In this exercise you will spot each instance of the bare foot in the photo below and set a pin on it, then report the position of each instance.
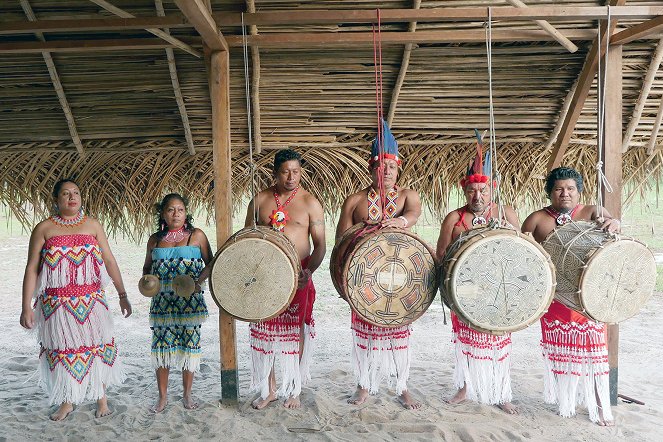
(292, 402)
(160, 405)
(408, 401)
(62, 412)
(189, 402)
(508, 408)
(459, 397)
(604, 422)
(102, 408)
(359, 397)
(261, 403)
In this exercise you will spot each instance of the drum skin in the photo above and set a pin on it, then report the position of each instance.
(254, 274)
(497, 280)
(604, 276)
(389, 276)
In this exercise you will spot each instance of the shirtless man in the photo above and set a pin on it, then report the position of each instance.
(479, 378)
(288, 207)
(567, 380)
(388, 346)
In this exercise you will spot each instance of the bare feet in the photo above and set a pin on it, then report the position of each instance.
(408, 401)
(604, 422)
(359, 397)
(459, 397)
(62, 412)
(508, 408)
(102, 408)
(189, 402)
(160, 405)
(292, 402)
(261, 403)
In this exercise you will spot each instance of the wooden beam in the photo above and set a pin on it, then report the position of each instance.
(612, 168)
(57, 84)
(93, 24)
(319, 39)
(562, 116)
(158, 32)
(174, 79)
(31, 47)
(585, 80)
(654, 133)
(654, 64)
(200, 16)
(638, 32)
(255, 85)
(219, 83)
(405, 63)
(554, 33)
(478, 14)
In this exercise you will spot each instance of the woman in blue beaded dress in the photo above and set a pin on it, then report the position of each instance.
(177, 248)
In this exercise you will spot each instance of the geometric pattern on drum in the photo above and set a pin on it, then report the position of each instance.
(500, 282)
(606, 277)
(391, 279)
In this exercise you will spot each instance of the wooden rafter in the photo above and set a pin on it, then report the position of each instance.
(405, 63)
(638, 32)
(255, 84)
(174, 79)
(584, 84)
(656, 59)
(201, 18)
(479, 14)
(554, 33)
(651, 144)
(157, 32)
(562, 116)
(55, 79)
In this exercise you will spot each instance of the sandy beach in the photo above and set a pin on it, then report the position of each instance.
(324, 415)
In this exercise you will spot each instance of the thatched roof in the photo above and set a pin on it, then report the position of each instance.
(315, 97)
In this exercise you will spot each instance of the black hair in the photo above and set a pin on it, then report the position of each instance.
(286, 155)
(563, 173)
(162, 227)
(58, 186)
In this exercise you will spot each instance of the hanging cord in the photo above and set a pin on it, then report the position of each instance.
(492, 145)
(377, 63)
(601, 179)
(247, 92)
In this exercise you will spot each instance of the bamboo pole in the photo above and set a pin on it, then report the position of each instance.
(550, 29)
(657, 126)
(644, 93)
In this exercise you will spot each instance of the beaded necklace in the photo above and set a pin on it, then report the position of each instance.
(561, 218)
(279, 217)
(69, 222)
(175, 236)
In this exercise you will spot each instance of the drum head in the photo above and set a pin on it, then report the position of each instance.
(391, 278)
(501, 282)
(619, 279)
(253, 279)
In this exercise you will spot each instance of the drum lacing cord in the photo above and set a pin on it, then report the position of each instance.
(601, 179)
(491, 122)
(249, 113)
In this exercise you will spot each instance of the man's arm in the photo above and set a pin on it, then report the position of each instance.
(512, 217)
(608, 222)
(345, 219)
(317, 232)
(249, 213)
(529, 225)
(446, 234)
(411, 211)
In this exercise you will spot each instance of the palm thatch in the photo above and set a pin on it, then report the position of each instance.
(320, 101)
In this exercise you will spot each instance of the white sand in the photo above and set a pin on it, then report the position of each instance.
(325, 415)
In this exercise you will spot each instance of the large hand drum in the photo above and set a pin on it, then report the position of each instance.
(254, 274)
(389, 276)
(606, 277)
(497, 280)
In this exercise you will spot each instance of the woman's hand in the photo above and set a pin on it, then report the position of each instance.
(125, 306)
(27, 318)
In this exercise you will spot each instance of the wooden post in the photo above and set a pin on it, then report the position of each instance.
(219, 81)
(612, 168)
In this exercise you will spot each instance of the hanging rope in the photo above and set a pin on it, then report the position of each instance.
(247, 92)
(377, 63)
(601, 179)
(491, 120)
